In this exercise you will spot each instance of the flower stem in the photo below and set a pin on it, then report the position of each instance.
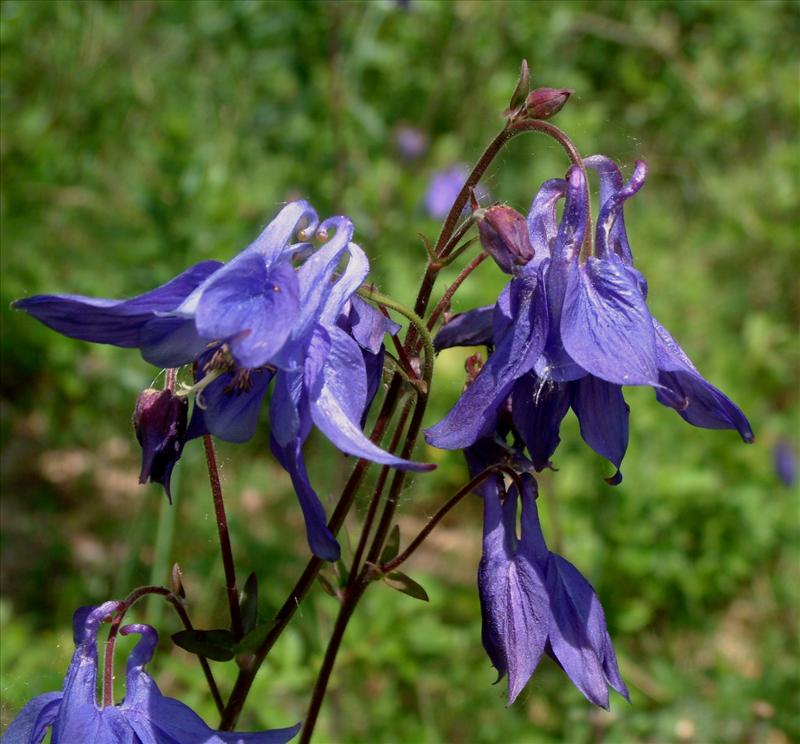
(352, 596)
(443, 511)
(124, 606)
(244, 680)
(358, 579)
(444, 244)
(418, 323)
(444, 303)
(224, 537)
(377, 493)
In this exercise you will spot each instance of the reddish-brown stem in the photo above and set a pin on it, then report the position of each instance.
(444, 303)
(462, 230)
(358, 579)
(444, 243)
(376, 495)
(244, 680)
(224, 537)
(444, 510)
(124, 606)
(402, 357)
(352, 596)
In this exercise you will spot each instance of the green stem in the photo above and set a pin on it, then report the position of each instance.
(370, 294)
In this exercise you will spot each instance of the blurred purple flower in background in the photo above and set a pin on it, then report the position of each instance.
(145, 716)
(410, 142)
(443, 190)
(785, 463)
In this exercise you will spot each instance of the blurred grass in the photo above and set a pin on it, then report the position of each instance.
(140, 138)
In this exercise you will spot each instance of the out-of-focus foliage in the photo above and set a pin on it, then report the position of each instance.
(140, 138)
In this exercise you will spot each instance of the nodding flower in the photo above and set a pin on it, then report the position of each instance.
(144, 715)
(570, 330)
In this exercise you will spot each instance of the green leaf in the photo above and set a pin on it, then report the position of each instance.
(254, 638)
(405, 584)
(392, 546)
(523, 86)
(215, 644)
(341, 573)
(248, 603)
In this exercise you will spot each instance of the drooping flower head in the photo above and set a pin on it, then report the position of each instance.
(569, 330)
(278, 310)
(534, 601)
(144, 716)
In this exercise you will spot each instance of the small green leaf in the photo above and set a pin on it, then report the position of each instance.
(254, 638)
(215, 644)
(341, 573)
(523, 86)
(392, 546)
(248, 603)
(405, 584)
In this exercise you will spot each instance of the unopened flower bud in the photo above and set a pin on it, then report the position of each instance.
(504, 236)
(159, 421)
(543, 103)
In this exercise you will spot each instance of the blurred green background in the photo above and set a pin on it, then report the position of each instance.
(138, 139)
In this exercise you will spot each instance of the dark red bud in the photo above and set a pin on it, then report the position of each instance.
(543, 103)
(159, 421)
(504, 236)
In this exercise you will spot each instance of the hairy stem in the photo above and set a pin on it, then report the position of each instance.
(445, 245)
(444, 303)
(443, 511)
(124, 606)
(224, 537)
(244, 680)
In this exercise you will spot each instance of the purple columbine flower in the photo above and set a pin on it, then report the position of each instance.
(571, 331)
(534, 601)
(256, 318)
(145, 716)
